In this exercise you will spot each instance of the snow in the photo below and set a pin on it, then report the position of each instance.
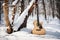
(3, 4)
(52, 31)
(21, 18)
(52, 27)
(15, 2)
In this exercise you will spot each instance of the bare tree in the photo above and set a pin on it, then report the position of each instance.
(52, 6)
(44, 8)
(23, 25)
(13, 13)
(6, 11)
(58, 8)
(22, 6)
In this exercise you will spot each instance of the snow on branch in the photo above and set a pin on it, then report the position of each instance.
(3, 4)
(15, 2)
(21, 18)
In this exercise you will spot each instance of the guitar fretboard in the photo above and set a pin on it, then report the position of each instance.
(38, 24)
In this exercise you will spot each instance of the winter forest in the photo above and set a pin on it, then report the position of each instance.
(29, 19)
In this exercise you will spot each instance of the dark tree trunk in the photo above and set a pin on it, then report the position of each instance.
(6, 1)
(23, 25)
(52, 6)
(13, 13)
(58, 8)
(22, 6)
(0, 12)
(29, 0)
(44, 8)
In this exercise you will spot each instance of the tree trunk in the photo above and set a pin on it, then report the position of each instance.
(58, 8)
(44, 9)
(52, 6)
(0, 12)
(6, 1)
(6, 11)
(13, 13)
(22, 6)
(23, 25)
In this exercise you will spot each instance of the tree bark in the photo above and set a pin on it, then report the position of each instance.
(6, 11)
(44, 8)
(22, 6)
(58, 8)
(0, 12)
(6, 1)
(13, 13)
(52, 6)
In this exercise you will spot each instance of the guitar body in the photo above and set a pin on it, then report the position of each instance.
(37, 30)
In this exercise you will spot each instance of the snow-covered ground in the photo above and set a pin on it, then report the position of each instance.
(52, 27)
(52, 30)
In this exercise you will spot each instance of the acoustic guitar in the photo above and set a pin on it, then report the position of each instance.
(38, 29)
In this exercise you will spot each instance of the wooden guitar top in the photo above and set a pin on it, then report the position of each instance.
(37, 30)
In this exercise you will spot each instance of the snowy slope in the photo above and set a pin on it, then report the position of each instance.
(52, 31)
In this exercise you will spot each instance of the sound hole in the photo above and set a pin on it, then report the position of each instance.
(38, 29)
(40, 26)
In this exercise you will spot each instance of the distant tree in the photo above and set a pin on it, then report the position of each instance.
(22, 6)
(52, 6)
(6, 1)
(0, 11)
(44, 8)
(58, 8)
(29, 0)
(13, 13)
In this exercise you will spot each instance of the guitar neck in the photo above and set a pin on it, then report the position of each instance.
(37, 15)
(38, 24)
